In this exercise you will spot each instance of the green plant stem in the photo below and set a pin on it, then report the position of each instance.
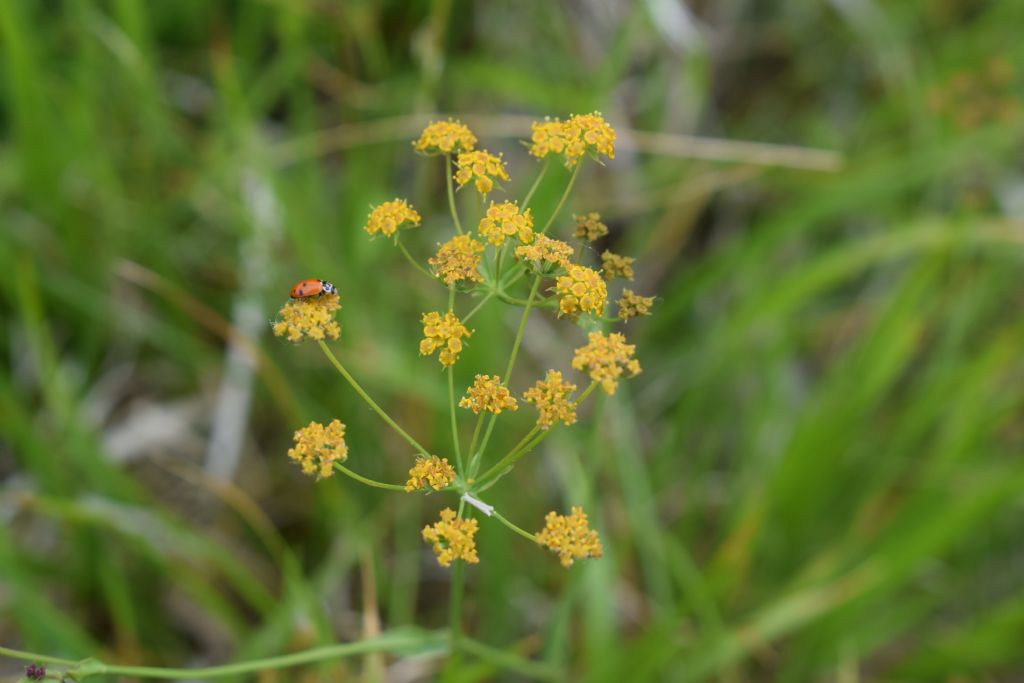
(413, 262)
(525, 534)
(455, 428)
(34, 657)
(451, 395)
(499, 256)
(565, 196)
(373, 404)
(474, 455)
(511, 363)
(455, 603)
(521, 445)
(536, 184)
(520, 331)
(366, 480)
(520, 450)
(480, 305)
(455, 615)
(393, 642)
(451, 192)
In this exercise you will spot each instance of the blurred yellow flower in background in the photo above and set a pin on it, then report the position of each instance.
(590, 227)
(613, 266)
(633, 305)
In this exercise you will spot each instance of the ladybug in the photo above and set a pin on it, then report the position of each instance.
(312, 287)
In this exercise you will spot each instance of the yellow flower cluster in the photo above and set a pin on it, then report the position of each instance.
(580, 289)
(545, 250)
(570, 537)
(312, 317)
(606, 358)
(504, 221)
(452, 538)
(590, 227)
(445, 137)
(482, 167)
(458, 259)
(613, 266)
(548, 137)
(551, 397)
(317, 448)
(582, 133)
(433, 472)
(445, 333)
(487, 393)
(390, 216)
(633, 305)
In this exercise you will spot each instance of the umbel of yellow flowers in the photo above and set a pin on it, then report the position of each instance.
(463, 264)
(443, 332)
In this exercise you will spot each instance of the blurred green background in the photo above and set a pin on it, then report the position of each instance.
(817, 476)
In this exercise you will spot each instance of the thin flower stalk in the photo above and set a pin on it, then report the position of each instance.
(511, 360)
(522, 532)
(451, 192)
(413, 262)
(366, 480)
(518, 451)
(451, 393)
(373, 404)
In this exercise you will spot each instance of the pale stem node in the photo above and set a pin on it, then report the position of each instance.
(478, 504)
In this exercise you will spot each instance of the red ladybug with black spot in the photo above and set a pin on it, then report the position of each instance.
(304, 289)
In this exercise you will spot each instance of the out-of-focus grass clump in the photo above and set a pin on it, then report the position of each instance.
(815, 477)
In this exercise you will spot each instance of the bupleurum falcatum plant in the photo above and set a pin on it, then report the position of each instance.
(509, 258)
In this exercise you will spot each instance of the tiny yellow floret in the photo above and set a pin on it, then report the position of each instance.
(581, 134)
(588, 133)
(444, 332)
(570, 537)
(482, 167)
(551, 396)
(487, 393)
(544, 251)
(581, 289)
(590, 227)
(311, 318)
(445, 137)
(432, 472)
(504, 221)
(317, 448)
(390, 216)
(613, 266)
(458, 260)
(452, 539)
(606, 358)
(548, 137)
(633, 305)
